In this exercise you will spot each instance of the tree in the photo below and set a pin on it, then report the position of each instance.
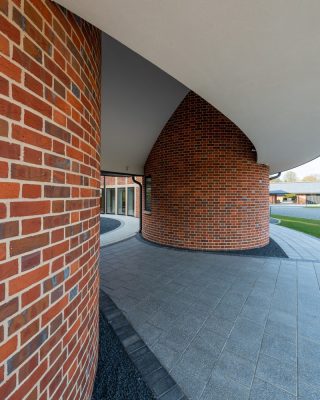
(290, 176)
(311, 178)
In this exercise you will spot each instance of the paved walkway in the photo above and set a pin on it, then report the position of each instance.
(297, 245)
(297, 211)
(225, 327)
(128, 228)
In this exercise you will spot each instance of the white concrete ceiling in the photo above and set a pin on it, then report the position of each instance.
(138, 98)
(257, 61)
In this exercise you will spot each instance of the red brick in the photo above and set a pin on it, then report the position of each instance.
(8, 309)
(31, 31)
(57, 131)
(29, 314)
(56, 161)
(31, 137)
(31, 191)
(30, 278)
(9, 30)
(9, 150)
(29, 243)
(56, 191)
(9, 190)
(31, 295)
(31, 226)
(32, 66)
(54, 311)
(32, 156)
(25, 172)
(43, 10)
(57, 71)
(4, 170)
(33, 120)
(8, 348)
(31, 101)
(8, 269)
(3, 210)
(55, 251)
(4, 128)
(28, 332)
(4, 6)
(25, 208)
(4, 86)
(4, 45)
(7, 387)
(54, 221)
(33, 84)
(33, 50)
(9, 229)
(33, 15)
(30, 260)
(3, 249)
(9, 69)
(10, 110)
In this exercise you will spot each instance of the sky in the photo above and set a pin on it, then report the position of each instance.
(311, 168)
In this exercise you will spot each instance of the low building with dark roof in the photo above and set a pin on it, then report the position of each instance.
(295, 193)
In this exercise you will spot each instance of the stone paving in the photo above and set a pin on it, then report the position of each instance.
(128, 228)
(297, 245)
(225, 327)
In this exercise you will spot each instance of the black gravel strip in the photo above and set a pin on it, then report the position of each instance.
(117, 378)
(127, 369)
(271, 250)
(108, 224)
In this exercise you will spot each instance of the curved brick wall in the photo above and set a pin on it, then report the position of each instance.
(208, 192)
(49, 201)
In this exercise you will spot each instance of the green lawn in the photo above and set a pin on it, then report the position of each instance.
(310, 226)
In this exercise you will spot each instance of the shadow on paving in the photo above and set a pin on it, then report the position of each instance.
(108, 225)
(117, 377)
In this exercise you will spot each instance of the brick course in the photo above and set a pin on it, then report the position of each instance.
(49, 201)
(208, 192)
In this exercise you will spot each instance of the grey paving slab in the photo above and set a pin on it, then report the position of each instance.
(265, 391)
(221, 387)
(278, 372)
(224, 327)
(297, 245)
(280, 347)
(236, 368)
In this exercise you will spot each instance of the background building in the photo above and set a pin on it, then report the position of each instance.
(120, 196)
(296, 193)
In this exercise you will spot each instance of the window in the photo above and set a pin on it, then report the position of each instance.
(313, 199)
(130, 201)
(147, 191)
(111, 200)
(102, 202)
(122, 201)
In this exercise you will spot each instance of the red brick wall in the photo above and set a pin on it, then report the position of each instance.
(49, 205)
(208, 192)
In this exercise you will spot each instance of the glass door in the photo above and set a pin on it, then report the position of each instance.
(111, 201)
(130, 202)
(122, 201)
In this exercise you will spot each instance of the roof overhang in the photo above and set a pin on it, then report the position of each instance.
(257, 62)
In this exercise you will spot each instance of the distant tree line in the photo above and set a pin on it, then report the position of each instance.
(291, 176)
